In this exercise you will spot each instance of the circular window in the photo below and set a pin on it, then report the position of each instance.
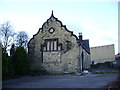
(51, 30)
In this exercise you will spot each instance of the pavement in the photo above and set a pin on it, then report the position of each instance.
(61, 81)
(64, 81)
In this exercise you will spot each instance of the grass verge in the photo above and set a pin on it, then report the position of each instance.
(106, 73)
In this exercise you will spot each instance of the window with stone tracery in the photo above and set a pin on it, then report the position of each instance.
(52, 45)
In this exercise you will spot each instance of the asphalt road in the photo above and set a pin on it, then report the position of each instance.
(61, 81)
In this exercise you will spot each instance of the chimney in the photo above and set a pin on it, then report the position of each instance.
(80, 37)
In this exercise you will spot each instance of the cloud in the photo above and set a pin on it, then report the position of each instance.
(97, 21)
(99, 35)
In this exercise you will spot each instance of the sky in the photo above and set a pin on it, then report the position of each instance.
(96, 19)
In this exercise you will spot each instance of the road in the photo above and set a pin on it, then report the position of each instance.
(61, 81)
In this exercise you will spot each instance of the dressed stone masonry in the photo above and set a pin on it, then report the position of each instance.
(57, 50)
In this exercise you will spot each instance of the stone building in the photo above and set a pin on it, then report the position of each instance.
(102, 54)
(57, 50)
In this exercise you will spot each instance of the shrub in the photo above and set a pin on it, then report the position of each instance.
(7, 66)
(20, 61)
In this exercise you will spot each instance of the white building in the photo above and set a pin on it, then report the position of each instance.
(102, 54)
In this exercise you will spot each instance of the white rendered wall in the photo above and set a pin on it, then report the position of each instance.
(102, 54)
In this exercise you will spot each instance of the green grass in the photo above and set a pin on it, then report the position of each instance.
(106, 73)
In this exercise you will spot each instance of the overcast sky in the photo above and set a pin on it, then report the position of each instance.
(96, 19)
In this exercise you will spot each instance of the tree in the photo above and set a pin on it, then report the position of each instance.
(12, 55)
(22, 39)
(21, 61)
(7, 34)
(7, 66)
(12, 51)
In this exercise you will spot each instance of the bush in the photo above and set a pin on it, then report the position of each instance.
(15, 64)
(7, 66)
(21, 61)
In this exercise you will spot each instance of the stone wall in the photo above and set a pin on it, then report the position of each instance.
(66, 59)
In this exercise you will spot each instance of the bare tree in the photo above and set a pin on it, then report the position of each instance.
(22, 39)
(7, 34)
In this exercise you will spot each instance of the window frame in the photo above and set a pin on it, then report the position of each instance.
(54, 46)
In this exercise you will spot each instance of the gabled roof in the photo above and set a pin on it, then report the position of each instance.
(86, 45)
(85, 42)
(56, 19)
